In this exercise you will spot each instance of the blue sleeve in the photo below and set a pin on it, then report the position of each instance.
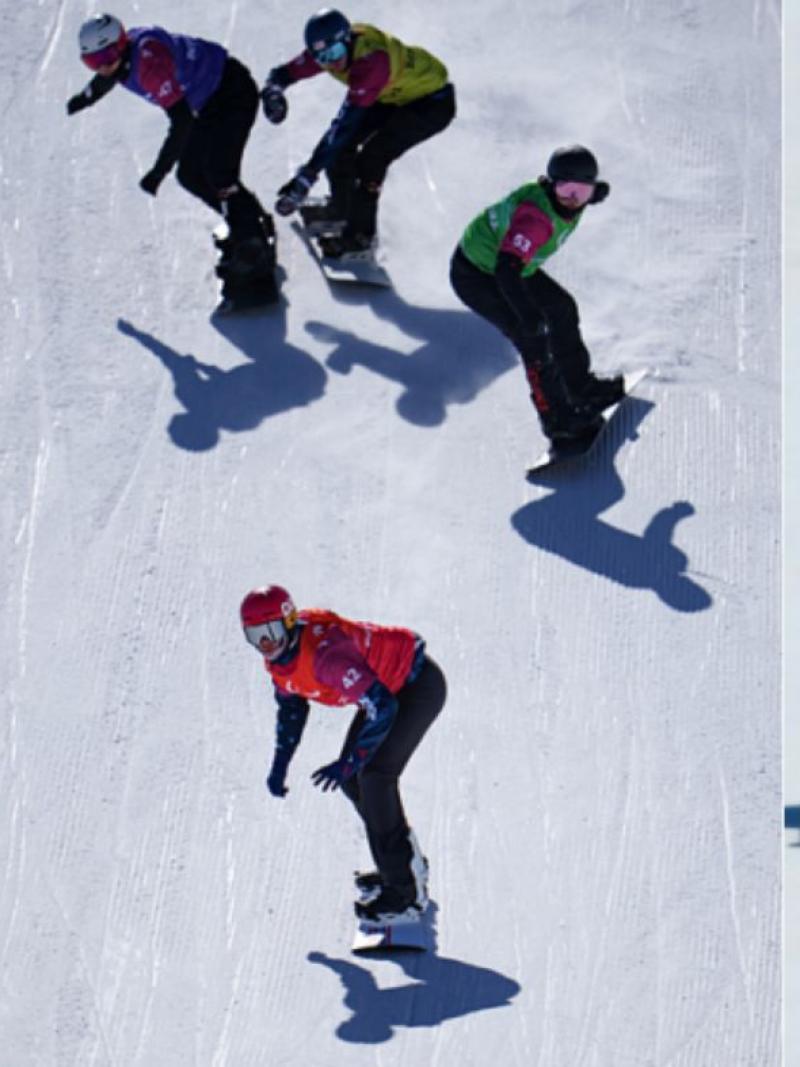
(341, 132)
(380, 705)
(291, 721)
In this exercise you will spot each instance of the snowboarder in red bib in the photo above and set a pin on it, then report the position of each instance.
(398, 689)
(496, 271)
(397, 96)
(211, 101)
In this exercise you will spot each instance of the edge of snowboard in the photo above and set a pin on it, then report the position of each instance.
(407, 937)
(371, 273)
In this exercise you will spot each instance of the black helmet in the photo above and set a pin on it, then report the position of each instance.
(574, 163)
(325, 28)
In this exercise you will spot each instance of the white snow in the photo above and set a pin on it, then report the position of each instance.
(600, 800)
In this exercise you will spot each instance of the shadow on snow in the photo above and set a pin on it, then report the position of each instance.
(440, 989)
(460, 355)
(276, 377)
(567, 523)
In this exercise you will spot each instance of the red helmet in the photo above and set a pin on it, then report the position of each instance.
(268, 617)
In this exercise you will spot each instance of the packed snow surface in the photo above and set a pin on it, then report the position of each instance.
(600, 798)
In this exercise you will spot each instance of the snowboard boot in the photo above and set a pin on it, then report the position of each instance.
(602, 393)
(572, 428)
(392, 905)
(322, 219)
(368, 886)
(348, 247)
(247, 270)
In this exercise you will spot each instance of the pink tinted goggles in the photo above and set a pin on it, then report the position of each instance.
(582, 192)
(272, 632)
(104, 58)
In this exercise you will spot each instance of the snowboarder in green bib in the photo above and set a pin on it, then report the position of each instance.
(496, 271)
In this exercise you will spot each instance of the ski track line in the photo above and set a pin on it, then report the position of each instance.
(31, 530)
(14, 868)
(588, 1030)
(233, 16)
(80, 957)
(732, 891)
(54, 38)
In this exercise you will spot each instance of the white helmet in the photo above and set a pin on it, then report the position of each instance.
(102, 34)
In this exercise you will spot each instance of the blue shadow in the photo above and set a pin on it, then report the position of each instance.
(440, 989)
(459, 355)
(275, 378)
(567, 524)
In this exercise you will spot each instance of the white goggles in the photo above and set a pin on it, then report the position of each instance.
(272, 632)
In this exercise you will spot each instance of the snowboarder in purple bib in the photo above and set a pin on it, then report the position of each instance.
(496, 271)
(398, 95)
(211, 101)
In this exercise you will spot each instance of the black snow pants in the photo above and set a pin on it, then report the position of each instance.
(375, 790)
(551, 346)
(211, 160)
(357, 173)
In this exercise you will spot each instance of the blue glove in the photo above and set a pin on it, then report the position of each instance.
(273, 102)
(333, 774)
(276, 778)
(294, 192)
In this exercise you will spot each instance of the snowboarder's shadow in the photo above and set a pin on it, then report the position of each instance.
(440, 989)
(567, 523)
(459, 356)
(275, 377)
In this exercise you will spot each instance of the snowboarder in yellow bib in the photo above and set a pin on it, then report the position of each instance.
(397, 96)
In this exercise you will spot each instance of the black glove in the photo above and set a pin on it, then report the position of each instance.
(274, 104)
(77, 103)
(151, 181)
(294, 192)
(601, 191)
(276, 778)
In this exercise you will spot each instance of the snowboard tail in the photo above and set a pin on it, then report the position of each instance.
(360, 268)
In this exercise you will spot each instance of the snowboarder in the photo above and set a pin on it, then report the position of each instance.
(211, 101)
(317, 655)
(496, 271)
(397, 96)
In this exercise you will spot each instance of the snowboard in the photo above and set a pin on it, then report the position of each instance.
(362, 268)
(557, 457)
(402, 936)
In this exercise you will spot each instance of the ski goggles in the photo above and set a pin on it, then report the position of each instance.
(329, 54)
(273, 632)
(580, 192)
(104, 58)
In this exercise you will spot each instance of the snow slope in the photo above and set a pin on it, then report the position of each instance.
(600, 800)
